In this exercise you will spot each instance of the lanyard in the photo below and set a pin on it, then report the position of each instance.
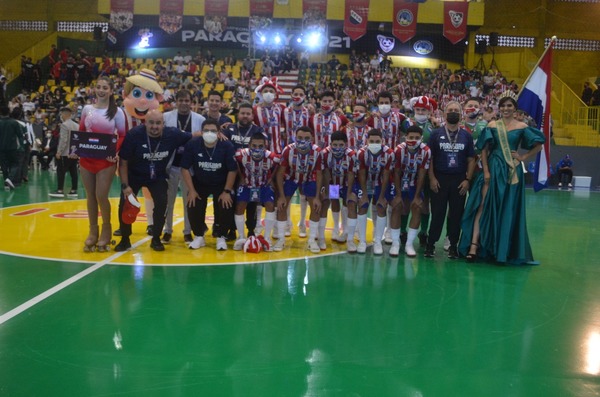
(452, 142)
(153, 153)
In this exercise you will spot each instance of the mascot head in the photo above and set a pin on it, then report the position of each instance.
(142, 93)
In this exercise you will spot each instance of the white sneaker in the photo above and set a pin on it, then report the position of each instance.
(198, 242)
(278, 246)
(340, 237)
(322, 244)
(258, 229)
(387, 236)
(361, 248)
(351, 246)
(288, 229)
(570, 185)
(239, 244)
(395, 248)
(302, 230)
(559, 184)
(377, 248)
(410, 250)
(446, 244)
(221, 244)
(313, 247)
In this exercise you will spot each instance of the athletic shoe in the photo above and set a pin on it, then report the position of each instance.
(377, 248)
(301, 230)
(361, 248)
(149, 230)
(221, 244)
(340, 237)
(123, 245)
(387, 236)
(73, 194)
(313, 246)
(239, 244)
(188, 238)
(278, 246)
(322, 245)
(351, 246)
(117, 232)
(56, 194)
(409, 250)
(156, 245)
(446, 244)
(559, 184)
(166, 238)
(452, 252)
(429, 251)
(9, 183)
(258, 229)
(395, 249)
(198, 242)
(423, 239)
(570, 185)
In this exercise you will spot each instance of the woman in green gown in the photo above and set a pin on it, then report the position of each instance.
(494, 225)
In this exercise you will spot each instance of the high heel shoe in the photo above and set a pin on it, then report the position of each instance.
(105, 238)
(89, 244)
(471, 257)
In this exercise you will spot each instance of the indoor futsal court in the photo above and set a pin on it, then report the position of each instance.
(202, 323)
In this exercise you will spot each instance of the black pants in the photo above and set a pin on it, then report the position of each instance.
(9, 160)
(223, 221)
(447, 198)
(158, 191)
(565, 176)
(251, 217)
(64, 165)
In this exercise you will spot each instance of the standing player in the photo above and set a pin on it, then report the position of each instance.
(300, 167)
(358, 129)
(375, 162)
(256, 165)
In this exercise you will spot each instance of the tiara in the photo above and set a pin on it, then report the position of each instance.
(509, 94)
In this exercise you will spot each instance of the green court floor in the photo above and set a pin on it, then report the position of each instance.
(340, 325)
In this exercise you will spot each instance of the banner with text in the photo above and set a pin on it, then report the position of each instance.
(356, 18)
(455, 20)
(404, 25)
(314, 15)
(94, 145)
(121, 15)
(215, 15)
(261, 14)
(171, 15)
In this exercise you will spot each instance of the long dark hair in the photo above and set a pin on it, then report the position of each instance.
(112, 103)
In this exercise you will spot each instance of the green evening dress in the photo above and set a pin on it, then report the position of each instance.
(503, 227)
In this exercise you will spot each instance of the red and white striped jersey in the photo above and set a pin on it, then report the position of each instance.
(392, 126)
(301, 167)
(339, 167)
(271, 120)
(294, 119)
(357, 135)
(409, 162)
(256, 173)
(375, 165)
(324, 125)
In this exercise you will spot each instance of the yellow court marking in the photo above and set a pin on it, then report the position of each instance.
(56, 230)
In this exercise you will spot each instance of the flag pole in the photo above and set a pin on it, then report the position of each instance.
(552, 40)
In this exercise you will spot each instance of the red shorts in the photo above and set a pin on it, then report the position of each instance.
(95, 165)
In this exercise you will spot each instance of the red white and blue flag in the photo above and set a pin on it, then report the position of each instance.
(535, 99)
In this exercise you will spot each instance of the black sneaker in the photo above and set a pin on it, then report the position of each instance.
(149, 230)
(156, 245)
(188, 238)
(57, 194)
(423, 239)
(166, 238)
(429, 251)
(452, 252)
(403, 238)
(117, 232)
(123, 245)
(72, 194)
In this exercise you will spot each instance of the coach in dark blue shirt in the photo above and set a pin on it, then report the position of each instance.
(143, 160)
(214, 170)
(450, 173)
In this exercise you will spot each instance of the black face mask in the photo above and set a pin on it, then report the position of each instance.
(453, 118)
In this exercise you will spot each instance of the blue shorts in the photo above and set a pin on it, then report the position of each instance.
(263, 194)
(309, 189)
(410, 194)
(390, 193)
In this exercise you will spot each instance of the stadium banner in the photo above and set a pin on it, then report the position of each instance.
(455, 20)
(261, 14)
(314, 15)
(356, 18)
(121, 15)
(215, 16)
(171, 15)
(404, 25)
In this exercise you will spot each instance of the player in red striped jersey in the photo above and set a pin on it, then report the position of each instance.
(268, 114)
(300, 168)
(358, 129)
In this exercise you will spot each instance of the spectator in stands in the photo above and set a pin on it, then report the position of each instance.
(178, 58)
(565, 171)
(596, 97)
(586, 95)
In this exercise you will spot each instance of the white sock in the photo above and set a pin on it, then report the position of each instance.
(395, 236)
(336, 222)
(259, 209)
(313, 229)
(270, 219)
(322, 225)
(344, 218)
(411, 235)
(239, 225)
(281, 229)
(303, 208)
(350, 228)
(380, 227)
(362, 228)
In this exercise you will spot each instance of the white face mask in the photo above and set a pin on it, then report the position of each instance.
(421, 118)
(209, 137)
(374, 148)
(268, 97)
(385, 109)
